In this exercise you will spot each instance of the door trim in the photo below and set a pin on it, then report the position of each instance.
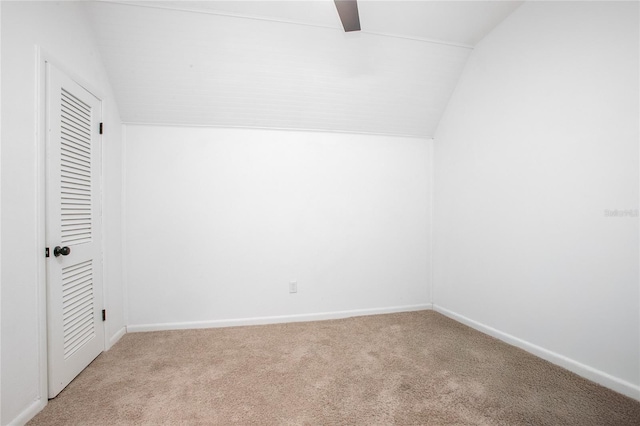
(42, 57)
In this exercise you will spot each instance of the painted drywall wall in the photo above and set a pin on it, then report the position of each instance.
(219, 221)
(0, 212)
(60, 29)
(538, 144)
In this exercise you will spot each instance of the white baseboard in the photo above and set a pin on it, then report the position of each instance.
(117, 336)
(597, 376)
(600, 377)
(29, 413)
(275, 319)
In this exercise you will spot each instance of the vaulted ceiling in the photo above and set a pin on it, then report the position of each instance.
(288, 64)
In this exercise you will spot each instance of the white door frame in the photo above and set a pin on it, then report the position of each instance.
(42, 58)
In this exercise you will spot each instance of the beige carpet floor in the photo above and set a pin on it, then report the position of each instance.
(417, 368)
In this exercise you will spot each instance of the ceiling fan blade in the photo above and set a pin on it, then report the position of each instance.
(348, 11)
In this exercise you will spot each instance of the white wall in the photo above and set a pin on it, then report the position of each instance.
(61, 31)
(219, 221)
(0, 212)
(539, 139)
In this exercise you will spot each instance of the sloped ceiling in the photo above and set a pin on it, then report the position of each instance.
(289, 65)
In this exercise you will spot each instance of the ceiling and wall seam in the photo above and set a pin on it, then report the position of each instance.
(276, 129)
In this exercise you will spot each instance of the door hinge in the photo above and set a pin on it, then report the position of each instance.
(46, 252)
(101, 128)
(104, 315)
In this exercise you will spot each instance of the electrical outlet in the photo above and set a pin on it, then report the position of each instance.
(293, 286)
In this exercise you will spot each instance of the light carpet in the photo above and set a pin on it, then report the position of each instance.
(417, 368)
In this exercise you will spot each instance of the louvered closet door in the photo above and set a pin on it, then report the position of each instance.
(74, 277)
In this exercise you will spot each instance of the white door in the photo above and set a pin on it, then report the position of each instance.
(73, 229)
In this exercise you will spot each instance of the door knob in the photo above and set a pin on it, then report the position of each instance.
(57, 251)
